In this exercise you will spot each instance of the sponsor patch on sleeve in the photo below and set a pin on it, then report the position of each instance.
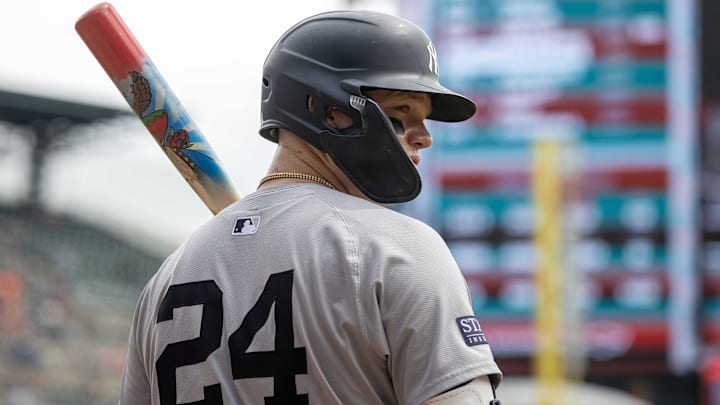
(471, 331)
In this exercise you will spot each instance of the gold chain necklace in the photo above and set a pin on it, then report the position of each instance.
(292, 175)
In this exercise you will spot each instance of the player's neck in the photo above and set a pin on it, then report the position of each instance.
(294, 155)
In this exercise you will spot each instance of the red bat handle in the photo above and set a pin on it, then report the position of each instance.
(110, 40)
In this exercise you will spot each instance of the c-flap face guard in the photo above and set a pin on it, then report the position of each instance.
(371, 155)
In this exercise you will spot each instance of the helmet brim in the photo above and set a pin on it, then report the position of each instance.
(451, 107)
(447, 105)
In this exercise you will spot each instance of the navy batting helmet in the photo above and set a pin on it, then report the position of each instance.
(334, 58)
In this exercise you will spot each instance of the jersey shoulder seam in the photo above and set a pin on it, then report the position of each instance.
(355, 266)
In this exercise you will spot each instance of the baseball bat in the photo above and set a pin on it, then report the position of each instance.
(153, 101)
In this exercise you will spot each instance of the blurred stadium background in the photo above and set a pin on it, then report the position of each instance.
(598, 118)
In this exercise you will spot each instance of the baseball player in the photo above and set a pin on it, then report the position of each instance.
(310, 291)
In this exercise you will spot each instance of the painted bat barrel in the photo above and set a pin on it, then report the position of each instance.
(154, 102)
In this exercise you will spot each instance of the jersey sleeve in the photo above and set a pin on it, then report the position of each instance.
(432, 340)
(135, 383)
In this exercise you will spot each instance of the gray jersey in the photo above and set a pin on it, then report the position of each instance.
(302, 294)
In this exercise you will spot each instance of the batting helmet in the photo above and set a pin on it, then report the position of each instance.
(334, 58)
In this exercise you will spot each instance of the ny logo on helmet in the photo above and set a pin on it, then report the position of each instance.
(433, 63)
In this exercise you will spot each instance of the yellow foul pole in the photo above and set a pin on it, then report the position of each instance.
(547, 197)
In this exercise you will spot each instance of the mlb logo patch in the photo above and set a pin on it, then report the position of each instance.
(246, 225)
(471, 331)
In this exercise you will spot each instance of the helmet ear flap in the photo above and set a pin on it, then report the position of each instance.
(372, 157)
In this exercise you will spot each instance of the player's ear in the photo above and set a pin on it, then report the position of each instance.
(333, 116)
(336, 118)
